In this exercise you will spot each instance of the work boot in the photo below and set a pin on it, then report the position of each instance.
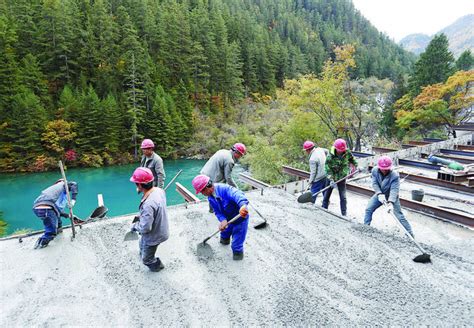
(238, 256)
(41, 243)
(59, 230)
(157, 266)
(225, 241)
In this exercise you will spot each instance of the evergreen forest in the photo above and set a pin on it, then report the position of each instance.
(86, 80)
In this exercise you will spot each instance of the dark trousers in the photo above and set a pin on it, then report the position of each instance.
(317, 186)
(50, 221)
(341, 186)
(147, 254)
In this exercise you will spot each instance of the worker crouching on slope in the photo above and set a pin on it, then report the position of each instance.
(49, 207)
(153, 161)
(317, 162)
(152, 223)
(227, 202)
(386, 184)
(339, 164)
(219, 167)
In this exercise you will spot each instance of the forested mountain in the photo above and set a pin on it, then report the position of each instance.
(415, 43)
(85, 80)
(460, 35)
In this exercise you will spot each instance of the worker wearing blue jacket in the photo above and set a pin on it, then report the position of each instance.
(227, 202)
(49, 207)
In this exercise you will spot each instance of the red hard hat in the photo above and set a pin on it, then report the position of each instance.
(308, 145)
(147, 143)
(240, 147)
(142, 175)
(384, 163)
(340, 145)
(200, 182)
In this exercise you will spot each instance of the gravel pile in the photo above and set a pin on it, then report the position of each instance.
(307, 267)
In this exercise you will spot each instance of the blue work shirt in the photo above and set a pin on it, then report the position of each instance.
(227, 201)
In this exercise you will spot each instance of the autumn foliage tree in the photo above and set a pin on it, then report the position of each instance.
(442, 104)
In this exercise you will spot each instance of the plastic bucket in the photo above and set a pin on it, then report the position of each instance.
(417, 195)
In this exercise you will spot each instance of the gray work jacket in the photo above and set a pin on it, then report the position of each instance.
(317, 163)
(153, 219)
(155, 164)
(219, 167)
(388, 185)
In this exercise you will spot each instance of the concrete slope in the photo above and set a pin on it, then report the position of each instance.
(307, 268)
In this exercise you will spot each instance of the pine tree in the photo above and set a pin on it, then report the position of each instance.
(175, 50)
(465, 61)
(112, 129)
(28, 121)
(105, 31)
(158, 123)
(31, 76)
(56, 43)
(90, 124)
(134, 66)
(435, 65)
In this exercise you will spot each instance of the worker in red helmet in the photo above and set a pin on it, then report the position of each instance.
(386, 185)
(317, 161)
(227, 202)
(339, 164)
(153, 161)
(152, 220)
(219, 167)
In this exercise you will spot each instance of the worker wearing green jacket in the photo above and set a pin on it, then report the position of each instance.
(339, 164)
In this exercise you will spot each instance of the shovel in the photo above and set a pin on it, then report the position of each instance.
(262, 224)
(423, 258)
(307, 197)
(215, 233)
(133, 235)
(71, 214)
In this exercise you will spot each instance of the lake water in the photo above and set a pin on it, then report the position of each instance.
(18, 191)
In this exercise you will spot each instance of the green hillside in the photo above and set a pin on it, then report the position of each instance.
(86, 80)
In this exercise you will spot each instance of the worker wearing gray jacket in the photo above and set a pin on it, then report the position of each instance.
(219, 167)
(386, 185)
(49, 207)
(317, 163)
(153, 161)
(152, 221)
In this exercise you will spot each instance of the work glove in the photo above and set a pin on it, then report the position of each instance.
(244, 211)
(381, 198)
(73, 202)
(223, 225)
(133, 227)
(390, 207)
(332, 184)
(136, 219)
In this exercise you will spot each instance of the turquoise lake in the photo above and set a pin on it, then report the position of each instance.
(18, 191)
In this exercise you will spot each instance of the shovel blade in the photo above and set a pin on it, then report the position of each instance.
(130, 236)
(423, 258)
(261, 225)
(306, 197)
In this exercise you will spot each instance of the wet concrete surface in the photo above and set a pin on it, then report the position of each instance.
(307, 267)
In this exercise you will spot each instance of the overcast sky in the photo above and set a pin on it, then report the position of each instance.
(398, 18)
